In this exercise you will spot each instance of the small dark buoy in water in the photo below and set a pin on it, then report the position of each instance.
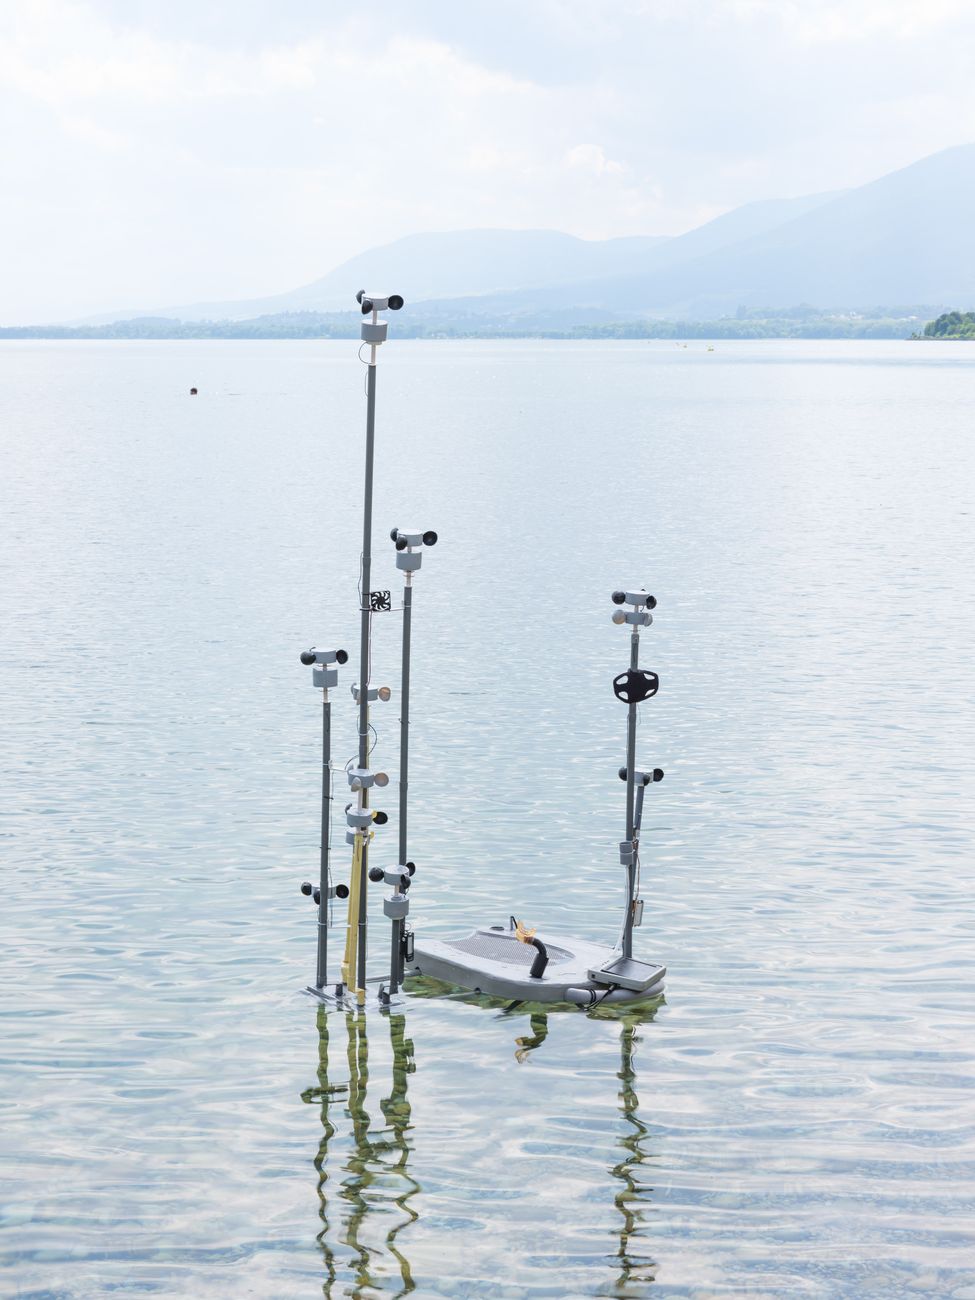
(192, 392)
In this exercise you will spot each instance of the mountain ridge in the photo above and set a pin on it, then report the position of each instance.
(902, 238)
(532, 259)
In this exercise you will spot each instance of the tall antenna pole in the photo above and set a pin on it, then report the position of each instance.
(360, 820)
(365, 655)
(633, 687)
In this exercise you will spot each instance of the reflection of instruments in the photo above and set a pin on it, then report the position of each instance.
(375, 1164)
(526, 1045)
(366, 1191)
(635, 1269)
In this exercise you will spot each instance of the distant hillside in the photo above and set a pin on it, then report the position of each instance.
(905, 238)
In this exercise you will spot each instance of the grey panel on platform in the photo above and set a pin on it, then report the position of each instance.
(626, 973)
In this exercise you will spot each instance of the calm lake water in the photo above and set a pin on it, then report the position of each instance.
(797, 1118)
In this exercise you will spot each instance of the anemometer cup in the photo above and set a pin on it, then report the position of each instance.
(370, 303)
(409, 543)
(643, 778)
(316, 656)
(315, 894)
(641, 599)
(404, 537)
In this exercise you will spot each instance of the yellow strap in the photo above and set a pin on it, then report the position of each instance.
(522, 933)
(350, 965)
(352, 924)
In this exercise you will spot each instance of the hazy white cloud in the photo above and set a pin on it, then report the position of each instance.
(856, 20)
(592, 158)
(166, 151)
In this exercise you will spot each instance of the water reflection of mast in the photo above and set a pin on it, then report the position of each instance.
(323, 1094)
(396, 1109)
(633, 1195)
(366, 1163)
(353, 1189)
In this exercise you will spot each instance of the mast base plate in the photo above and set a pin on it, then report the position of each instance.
(347, 1001)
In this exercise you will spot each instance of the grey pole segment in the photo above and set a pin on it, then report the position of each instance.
(364, 653)
(404, 722)
(396, 952)
(323, 887)
(630, 791)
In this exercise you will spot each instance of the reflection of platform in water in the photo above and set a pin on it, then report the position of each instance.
(365, 1188)
(376, 1167)
(636, 1269)
(494, 961)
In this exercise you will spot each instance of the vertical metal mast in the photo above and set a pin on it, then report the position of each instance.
(325, 673)
(630, 797)
(365, 648)
(409, 556)
(633, 687)
(322, 963)
(399, 922)
(404, 722)
(373, 333)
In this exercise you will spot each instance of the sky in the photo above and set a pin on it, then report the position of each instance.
(157, 152)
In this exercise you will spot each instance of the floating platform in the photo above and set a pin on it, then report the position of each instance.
(494, 961)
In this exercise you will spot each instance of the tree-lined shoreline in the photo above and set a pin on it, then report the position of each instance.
(795, 323)
(951, 325)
